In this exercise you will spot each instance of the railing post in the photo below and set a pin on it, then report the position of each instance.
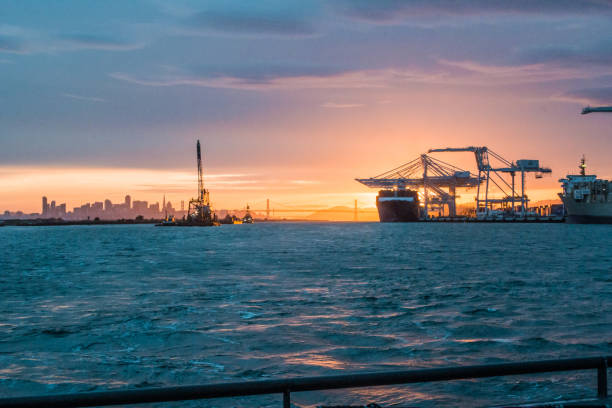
(286, 399)
(602, 379)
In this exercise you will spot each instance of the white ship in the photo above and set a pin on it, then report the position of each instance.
(587, 199)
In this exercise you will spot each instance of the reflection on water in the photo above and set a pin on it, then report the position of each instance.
(91, 308)
(314, 359)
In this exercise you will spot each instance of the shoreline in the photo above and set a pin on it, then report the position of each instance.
(40, 222)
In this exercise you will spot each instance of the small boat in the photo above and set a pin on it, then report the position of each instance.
(169, 221)
(248, 218)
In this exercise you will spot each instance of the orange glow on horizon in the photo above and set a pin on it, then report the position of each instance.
(23, 188)
(316, 168)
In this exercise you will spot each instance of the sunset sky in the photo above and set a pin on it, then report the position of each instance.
(291, 100)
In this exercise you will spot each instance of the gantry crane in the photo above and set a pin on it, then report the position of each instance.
(433, 175)
(588, 109)
(486, 173)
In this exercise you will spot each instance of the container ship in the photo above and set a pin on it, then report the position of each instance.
(586, 198)
(398, 205)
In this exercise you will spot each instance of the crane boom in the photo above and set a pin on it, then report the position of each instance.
(588, 109)
(201, 190)
(481, 154)
(456, 149)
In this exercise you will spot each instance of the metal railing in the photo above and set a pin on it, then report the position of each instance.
(287, 386)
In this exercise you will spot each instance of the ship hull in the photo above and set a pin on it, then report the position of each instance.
(588, 219)
(588, 212)
(397, 209)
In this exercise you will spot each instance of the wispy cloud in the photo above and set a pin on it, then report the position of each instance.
(597, 52)
(230, 175)
(95, 42)
(24, 40)
(241, 23)
(589, 96)
(347, 79)
(448, 72)
(264, 18)
(334, 105)
(12, 45)
(305, 182)
(385, 11)
(83, 98)
(474, 72)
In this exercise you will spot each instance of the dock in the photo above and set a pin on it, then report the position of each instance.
(505, 220)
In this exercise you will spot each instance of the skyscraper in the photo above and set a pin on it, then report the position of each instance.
(128, 202)
(45, 205)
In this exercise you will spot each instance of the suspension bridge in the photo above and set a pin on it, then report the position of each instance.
(273, 209)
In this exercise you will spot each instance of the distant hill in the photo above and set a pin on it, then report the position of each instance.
(342, 213)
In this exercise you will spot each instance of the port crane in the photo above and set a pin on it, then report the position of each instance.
(588, 109)
(492, 174)
(430, 174)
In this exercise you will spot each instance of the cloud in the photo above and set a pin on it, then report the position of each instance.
(473, 72)
(83, 98)
(23, 40)
(185, 183)
(333, 105)
(589, 96)
(13, 45)
(445, 72)
(247, 24)
(383, 11)
(259, 18)
(94, 42)
(262, 78)
(304, 182)
(598, 54)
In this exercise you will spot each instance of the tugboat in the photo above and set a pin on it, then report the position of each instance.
(168, 221)
(248, 218)
(586, 198)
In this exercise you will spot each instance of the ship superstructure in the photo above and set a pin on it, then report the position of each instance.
(586, 198)
(248, 218)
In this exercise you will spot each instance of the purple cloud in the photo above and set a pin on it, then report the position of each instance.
(390, 10)
(257, 23)
(593, 96)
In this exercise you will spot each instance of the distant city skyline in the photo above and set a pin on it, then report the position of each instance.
(130, 209)
(104, 210)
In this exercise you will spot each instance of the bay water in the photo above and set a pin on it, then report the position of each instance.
(91, 308)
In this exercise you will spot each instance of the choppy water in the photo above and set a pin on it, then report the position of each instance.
(97, 307)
